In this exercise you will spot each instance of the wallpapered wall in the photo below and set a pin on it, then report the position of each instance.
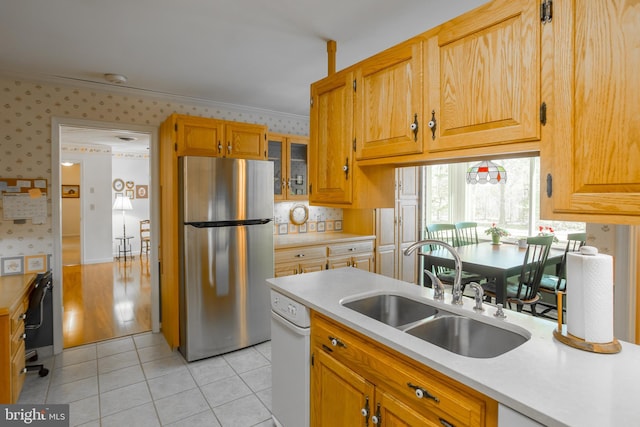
(26, 109)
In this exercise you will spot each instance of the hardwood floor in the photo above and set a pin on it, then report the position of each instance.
(104, 301)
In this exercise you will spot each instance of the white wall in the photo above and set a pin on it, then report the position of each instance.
(135, 169)
(95, 201)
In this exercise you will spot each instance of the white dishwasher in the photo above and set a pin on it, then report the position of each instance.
(290, 361)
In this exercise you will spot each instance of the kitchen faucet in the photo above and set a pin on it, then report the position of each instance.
(439, 289)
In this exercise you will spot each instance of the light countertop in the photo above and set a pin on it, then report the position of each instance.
(544, 379)
(304, 239)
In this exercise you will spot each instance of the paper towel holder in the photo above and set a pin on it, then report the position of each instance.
(561, 334)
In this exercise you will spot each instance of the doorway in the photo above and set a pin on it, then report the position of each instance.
(104, 278)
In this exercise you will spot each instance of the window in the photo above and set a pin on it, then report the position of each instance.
(513, 206)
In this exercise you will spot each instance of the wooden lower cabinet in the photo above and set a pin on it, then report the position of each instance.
(354, 379)
(316, 257)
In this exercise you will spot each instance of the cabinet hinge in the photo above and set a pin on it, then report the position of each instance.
(310, 189)
(549, 185)
(354, 145)
(355, 85)
(546, 11)
(175, 147)
(313, 358)
(175, 127)
(543, 113)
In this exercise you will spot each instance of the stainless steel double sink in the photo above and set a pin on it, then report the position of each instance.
(454, 332)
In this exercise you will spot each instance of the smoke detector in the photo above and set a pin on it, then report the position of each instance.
(117, 79)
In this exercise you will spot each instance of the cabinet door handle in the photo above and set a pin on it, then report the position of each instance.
(337, 343)
(345, 168)
(219, 147)
(228, 147)
(414, 127)
(365, 411)
(421, 392)
(433, 124)
(377, 418)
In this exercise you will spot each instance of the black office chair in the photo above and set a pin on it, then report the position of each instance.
(34, 317)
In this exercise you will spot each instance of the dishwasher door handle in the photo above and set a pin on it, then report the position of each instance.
(284, 322)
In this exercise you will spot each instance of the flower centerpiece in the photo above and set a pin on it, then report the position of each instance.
(496, 233)
(547, 231)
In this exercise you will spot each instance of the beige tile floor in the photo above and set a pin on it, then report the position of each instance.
(138, 381)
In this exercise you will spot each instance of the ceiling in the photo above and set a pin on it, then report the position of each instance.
(120, 141)
(255, 53)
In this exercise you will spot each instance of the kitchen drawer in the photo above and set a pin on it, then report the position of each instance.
(17, 316)
(350, 248)
(17, 372)
(455, 403)
(300, 254)
(17, 338)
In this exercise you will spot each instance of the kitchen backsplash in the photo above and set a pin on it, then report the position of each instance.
(320, 220)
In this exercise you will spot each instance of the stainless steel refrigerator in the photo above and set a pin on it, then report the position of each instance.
(226, 254)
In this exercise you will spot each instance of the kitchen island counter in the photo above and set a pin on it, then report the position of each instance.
(543, 379)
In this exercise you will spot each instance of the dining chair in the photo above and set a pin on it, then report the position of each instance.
(551, 284)
(524, 289)
(448, 234)
(145, 237)
(467, 233)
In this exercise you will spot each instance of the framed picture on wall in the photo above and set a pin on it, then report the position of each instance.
(70, 191)
(35, 264)
(129, 193)
(142, 191)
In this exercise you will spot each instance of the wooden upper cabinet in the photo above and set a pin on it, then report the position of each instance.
(330, 146)
(388, 113)
(199, 136)
(482, 77)
(592, 151)
(289, 154)
(245, 141)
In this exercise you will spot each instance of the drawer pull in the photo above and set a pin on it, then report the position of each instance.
(446, 423)
(300, 256)
(24, 336)
(23, 316)
(421, 392)
(337, 343)
(23, 370)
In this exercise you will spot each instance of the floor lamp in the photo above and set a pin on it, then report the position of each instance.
(122, 203)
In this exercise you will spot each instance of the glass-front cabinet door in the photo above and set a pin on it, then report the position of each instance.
(289, 156)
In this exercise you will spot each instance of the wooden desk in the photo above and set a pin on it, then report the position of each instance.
(489, 260)
(14, 300)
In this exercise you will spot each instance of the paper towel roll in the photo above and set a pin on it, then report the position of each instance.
(590, 295)
(597, 276)
(575, 297)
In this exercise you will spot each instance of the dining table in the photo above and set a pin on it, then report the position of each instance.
(493, 261)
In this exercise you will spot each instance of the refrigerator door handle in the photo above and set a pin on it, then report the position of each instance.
(233, 223)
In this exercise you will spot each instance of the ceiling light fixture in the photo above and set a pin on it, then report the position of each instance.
(67, 163)
(117, 79)
(486, 172)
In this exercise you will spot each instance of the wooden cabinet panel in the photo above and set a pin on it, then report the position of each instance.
(199, 136)
(592, 149)
(245, 141)
(339, 394)
(388, 102)
(330, 150)
(395, 377)
(17, 374)
(483, 77)
(289, 154)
